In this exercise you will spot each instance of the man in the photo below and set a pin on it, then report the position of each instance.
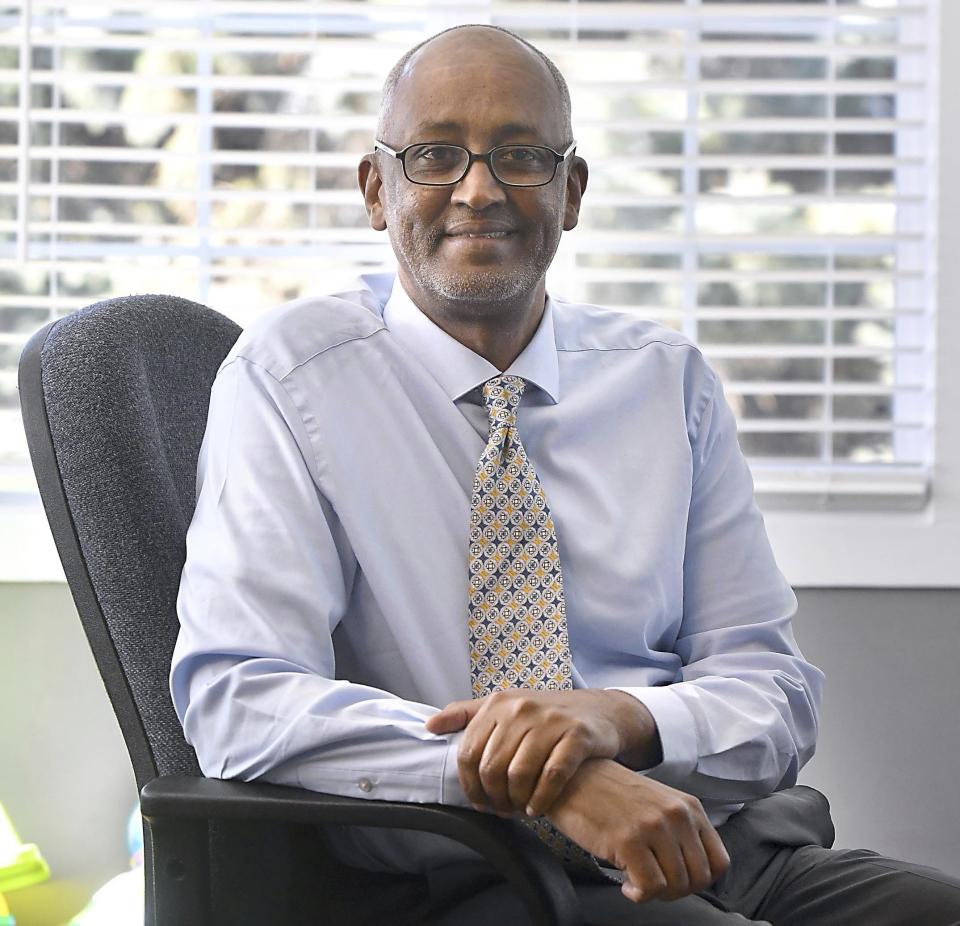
(624, 676)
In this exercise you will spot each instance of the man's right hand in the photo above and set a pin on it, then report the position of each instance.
(658, 836)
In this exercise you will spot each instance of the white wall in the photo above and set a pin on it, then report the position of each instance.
(889, 750)
(65, 778)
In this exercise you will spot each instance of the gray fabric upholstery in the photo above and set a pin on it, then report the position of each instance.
(127, 384)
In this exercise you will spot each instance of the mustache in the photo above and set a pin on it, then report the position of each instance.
(466, 218)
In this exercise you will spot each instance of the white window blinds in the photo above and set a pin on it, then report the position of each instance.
(762, 178)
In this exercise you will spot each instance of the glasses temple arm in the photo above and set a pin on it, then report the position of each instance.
(385, 148)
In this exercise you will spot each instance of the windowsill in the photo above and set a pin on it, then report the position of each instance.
(861, 549)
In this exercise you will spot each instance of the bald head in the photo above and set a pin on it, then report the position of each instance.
(500, 48)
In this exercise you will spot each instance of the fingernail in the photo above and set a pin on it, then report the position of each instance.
(530, 811)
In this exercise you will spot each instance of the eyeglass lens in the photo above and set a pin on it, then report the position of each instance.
(525, 165)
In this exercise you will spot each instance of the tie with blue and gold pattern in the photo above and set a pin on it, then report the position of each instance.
(517, 618)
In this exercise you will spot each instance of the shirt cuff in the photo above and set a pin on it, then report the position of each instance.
(450, 790)
(675, 723)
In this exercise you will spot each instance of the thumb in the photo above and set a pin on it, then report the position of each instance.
(455, 716)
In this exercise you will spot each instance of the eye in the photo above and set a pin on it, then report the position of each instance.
(522, 154)
(528, 158)
(436, 154)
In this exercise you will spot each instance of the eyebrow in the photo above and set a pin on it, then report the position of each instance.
(506, 130)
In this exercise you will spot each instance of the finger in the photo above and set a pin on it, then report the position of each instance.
(469, 754)
(697, 863)
(525, 768)
(561, 765)
(717, 856)
(455, 716)
(670, 858)
(497, 757)
(631, 891)
(644, 879)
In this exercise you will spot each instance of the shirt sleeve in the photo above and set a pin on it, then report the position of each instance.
(267, 577)
(743, 717)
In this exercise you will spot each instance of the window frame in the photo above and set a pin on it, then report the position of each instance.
(902, 549)
(814, 548)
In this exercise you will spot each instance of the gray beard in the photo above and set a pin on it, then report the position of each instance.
(491, 285)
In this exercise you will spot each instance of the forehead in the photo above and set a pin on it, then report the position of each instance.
(476, 86)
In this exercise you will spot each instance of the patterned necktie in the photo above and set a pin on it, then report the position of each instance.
(518, 623)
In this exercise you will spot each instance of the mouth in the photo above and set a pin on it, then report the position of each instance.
(482, 242)
(499, 234)
(480, 230)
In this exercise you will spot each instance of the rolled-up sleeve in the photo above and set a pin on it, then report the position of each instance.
(742, 718)
(266, 580)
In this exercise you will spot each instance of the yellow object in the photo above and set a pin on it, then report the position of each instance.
(20, 864)
(5, 918)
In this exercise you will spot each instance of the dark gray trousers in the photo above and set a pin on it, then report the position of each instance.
(782, 873)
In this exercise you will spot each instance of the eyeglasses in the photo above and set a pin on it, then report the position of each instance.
(440, 164)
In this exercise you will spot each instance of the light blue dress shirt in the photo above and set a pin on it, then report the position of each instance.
(323, 602)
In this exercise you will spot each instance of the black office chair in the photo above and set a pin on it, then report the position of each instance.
(114, 400)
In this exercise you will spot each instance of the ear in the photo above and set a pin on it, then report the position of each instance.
(371, 185)
(576, 184)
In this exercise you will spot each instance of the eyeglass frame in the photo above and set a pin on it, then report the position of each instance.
(473, 157)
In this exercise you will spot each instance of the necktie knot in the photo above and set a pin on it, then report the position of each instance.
(502, 395)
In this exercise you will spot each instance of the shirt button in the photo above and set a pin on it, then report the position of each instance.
(364, 784)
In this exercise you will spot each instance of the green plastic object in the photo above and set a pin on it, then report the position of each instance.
(21, 864)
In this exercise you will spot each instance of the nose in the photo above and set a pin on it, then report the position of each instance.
(478, 188)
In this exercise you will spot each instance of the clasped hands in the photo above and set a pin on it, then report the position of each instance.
(567, 755)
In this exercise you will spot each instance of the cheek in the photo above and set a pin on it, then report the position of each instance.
(545, 212)
(416, 208)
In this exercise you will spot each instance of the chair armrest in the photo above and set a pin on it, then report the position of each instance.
(175, 810)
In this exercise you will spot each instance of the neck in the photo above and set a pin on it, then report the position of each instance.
(497, 331)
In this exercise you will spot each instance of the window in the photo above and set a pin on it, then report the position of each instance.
(763, 177)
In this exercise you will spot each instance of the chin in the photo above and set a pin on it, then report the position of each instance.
(481, 285)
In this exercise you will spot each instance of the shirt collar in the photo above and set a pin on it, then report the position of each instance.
(458, 368)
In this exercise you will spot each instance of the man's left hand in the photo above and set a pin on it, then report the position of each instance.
(522, 745)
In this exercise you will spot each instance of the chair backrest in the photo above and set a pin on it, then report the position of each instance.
(114, 400)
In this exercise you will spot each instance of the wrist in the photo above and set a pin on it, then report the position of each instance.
(577, 803)
(640, 746)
